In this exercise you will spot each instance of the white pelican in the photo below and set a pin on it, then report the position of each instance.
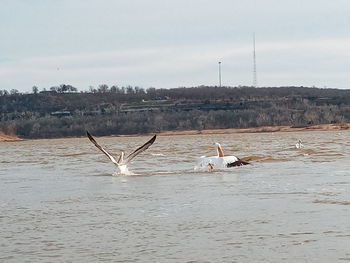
(299, 145)
(220, 160)
(121, 163)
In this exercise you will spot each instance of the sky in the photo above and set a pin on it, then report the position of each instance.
(170, 44)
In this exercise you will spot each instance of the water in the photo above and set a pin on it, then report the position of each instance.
(60, 203)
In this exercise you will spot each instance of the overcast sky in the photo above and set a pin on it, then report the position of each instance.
(173, 43)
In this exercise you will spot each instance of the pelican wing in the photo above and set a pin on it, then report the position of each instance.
(140, 150)
(99, 147)
(237, 163)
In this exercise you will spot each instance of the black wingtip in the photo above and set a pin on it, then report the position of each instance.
(90, 137)
(154, 138)
(237, 163)
(88, 134)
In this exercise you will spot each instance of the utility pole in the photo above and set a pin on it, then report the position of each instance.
(220, 74)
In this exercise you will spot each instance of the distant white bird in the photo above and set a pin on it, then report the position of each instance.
(299, 145)
(121, 163)
(220, 160)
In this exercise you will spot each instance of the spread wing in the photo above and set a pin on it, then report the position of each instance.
(99, 147)
(140, 150)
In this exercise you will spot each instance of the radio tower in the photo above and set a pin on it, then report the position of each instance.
(255, 81)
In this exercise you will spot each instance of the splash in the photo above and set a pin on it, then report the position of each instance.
(157, 154)
(123, 170)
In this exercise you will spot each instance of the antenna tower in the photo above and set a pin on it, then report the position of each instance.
(255, 81)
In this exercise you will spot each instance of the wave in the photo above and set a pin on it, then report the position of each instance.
(72, 154)
(264, 158)
(333, 202)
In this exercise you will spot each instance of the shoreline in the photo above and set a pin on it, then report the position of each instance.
(320, 127)
(9, 138)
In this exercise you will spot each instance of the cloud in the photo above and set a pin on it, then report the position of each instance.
(309, 62)
(166, 43)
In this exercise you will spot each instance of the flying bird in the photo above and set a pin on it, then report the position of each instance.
(122, 162)
(220, 160)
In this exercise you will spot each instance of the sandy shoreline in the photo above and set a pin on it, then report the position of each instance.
(9, 138)
(321, 127)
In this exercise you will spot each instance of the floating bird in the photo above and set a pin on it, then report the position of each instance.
(220, 160)
(299, 145)
(122, 163)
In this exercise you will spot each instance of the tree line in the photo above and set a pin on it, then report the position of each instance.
(67, 88)
(63, 111)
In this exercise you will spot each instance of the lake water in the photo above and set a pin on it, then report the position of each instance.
(60, 202)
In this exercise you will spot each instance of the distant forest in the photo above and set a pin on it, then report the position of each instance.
(63, 111)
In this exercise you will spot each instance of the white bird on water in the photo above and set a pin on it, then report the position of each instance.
(220, 160)
(299, 145)
(122, 163)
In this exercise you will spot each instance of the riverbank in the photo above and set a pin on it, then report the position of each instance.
(321, 127)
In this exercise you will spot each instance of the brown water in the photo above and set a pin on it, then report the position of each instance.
(60, 203)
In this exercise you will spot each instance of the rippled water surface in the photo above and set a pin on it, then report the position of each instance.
(60, 202)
